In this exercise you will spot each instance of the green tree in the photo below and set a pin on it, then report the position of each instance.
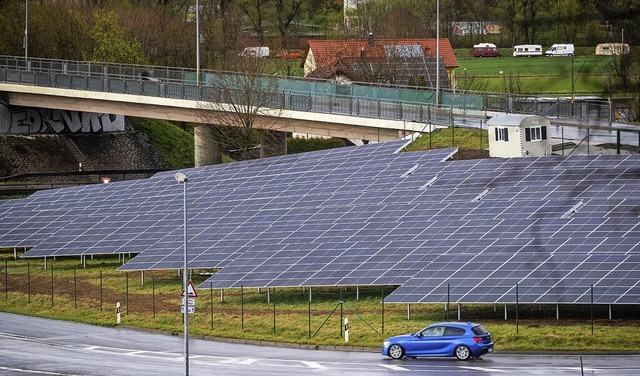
(110, 42)
(573, 17)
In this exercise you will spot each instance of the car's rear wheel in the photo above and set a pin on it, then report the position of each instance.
(396, 351)
(462, 352)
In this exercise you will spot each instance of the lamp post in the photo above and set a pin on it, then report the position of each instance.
(182, 179)
(437, 52)
(197, 42)
(26, 30)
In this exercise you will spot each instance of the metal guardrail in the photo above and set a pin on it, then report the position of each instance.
(359, 99)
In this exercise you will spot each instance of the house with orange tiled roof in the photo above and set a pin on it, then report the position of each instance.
(392, 61)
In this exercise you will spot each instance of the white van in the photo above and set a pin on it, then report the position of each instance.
(560, 50)
(262, 52)
(527, 50)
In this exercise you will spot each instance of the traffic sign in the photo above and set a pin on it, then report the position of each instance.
(191, 305)
(191, 291)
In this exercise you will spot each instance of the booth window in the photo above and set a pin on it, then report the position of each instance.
(502, 134)
(535, 133)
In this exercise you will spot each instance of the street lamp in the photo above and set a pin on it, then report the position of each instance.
(25, 42)
(197, 43)
(437, 52)
(182, 179)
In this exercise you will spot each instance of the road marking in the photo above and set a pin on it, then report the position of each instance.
(248, 361)
(394, 368)
(310, 364)
(484, 369)
(31, 371)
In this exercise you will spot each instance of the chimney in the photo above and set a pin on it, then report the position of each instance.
(371, 41)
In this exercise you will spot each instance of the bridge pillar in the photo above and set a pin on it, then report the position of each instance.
(207, 150)
(273, 143)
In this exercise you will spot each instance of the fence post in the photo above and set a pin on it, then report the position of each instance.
(274, 310)
(382, 310)
(517, 301)
(153, 296)
(591, 309)
(52, 285)
(126, 284)
(309, 306)
(6, 281)
(211, 302)
(100, 290)
(28, 282)
(340, 322)
(242, 307)
(75, 288)
(448, 299)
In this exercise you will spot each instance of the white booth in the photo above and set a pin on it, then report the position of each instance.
(518, 136)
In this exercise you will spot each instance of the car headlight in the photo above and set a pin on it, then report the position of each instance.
(386, 343)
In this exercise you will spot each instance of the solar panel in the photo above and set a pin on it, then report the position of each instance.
(467, 231)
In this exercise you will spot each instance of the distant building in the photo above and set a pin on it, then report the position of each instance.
(390, 61)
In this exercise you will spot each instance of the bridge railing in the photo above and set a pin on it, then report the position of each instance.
(359, 99)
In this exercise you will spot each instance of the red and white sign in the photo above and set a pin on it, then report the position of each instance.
(191, 291)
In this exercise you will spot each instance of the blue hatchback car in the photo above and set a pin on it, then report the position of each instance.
(462, 340)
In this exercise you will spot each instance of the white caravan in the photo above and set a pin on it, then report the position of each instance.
(527, 50)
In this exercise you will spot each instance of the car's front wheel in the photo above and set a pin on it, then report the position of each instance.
(462, 352)
(396, 351)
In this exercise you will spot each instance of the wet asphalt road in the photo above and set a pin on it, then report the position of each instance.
(34, 346)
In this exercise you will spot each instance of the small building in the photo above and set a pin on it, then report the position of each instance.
(388, 61)
(519, 136)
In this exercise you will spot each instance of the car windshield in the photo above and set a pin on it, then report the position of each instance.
(479, 330)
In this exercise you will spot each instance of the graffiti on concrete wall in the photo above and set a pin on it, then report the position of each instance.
(28, 120)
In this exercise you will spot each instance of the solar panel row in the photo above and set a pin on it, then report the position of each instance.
(467, 231)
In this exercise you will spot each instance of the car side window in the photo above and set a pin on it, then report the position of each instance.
(454, 331)
(435, 331)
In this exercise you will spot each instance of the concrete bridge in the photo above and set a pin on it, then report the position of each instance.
(360, 111)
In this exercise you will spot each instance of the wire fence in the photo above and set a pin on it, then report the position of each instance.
(317, 313)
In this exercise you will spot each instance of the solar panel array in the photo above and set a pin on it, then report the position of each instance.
(460, 231)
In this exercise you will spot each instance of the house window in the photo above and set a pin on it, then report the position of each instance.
(502, 134)
(535, 133)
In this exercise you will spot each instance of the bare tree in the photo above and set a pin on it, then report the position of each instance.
(243, 106)
(287, 13)
(255, 10)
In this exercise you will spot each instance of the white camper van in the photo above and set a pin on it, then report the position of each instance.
(262, 52)
(527, 50)
(560, 50)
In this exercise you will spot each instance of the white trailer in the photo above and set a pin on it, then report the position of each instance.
(527, 50)
(609, 49)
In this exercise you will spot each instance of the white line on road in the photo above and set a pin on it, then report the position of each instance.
(394, 368)
(484, 369)
(31, 371)
(248, 361)
(312, 364)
